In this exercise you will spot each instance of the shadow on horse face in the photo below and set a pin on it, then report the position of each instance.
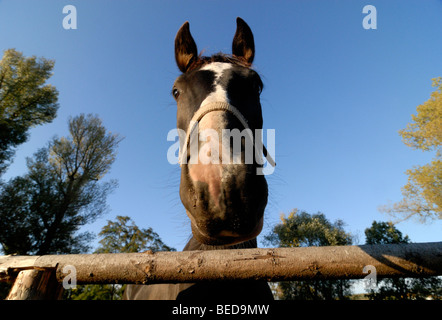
(223, 195)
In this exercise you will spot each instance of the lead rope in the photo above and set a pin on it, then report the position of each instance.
(220, 106)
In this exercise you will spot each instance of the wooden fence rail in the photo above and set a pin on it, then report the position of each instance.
(274, 264)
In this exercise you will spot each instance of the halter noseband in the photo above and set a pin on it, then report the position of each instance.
(219, 106)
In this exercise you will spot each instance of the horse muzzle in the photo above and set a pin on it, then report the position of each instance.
(220, 188)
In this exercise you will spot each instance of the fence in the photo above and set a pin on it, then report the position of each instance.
(40, 277)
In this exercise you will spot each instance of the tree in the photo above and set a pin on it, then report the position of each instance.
(301, 229)
(41, 212)
(422, 195)
(384, 233)
(25, 100)
(399, 288)
(119, 236)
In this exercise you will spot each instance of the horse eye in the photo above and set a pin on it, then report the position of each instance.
(176, 93)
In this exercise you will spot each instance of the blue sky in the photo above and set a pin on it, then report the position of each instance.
(335, 93)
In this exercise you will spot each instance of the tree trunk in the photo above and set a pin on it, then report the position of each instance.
(35, 284)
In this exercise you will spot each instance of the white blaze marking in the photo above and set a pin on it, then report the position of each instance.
(215, 120)
(220, 94)
(210, 171)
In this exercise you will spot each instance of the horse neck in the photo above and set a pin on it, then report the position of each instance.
(193, 244)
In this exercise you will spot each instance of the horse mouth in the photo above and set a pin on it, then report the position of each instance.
(224, 237)
(226, 206)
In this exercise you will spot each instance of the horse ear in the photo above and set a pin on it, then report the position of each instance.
(243, 43)
(185, 48)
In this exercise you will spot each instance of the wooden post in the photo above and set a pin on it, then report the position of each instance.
(35, 284)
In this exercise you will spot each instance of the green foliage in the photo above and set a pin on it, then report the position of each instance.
(119, 236)
(384, 233)
(41, 212)
(422, 195)
(87, 154)
(399, 288)
(301, 229)
(425, 132)
(25, 100)
(95, 292)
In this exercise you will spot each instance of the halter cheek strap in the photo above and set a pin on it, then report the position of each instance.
(219, 106)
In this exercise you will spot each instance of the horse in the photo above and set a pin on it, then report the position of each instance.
(224, 199)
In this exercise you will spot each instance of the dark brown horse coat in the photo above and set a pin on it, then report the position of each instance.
(225, 200)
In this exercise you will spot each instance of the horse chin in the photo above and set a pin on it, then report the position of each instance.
(225, 237)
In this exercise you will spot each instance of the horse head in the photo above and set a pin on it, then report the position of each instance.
(219, 112)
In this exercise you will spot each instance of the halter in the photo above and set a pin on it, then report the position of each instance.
(219, 106)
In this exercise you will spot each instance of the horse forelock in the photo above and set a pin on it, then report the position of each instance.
(201, 61)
